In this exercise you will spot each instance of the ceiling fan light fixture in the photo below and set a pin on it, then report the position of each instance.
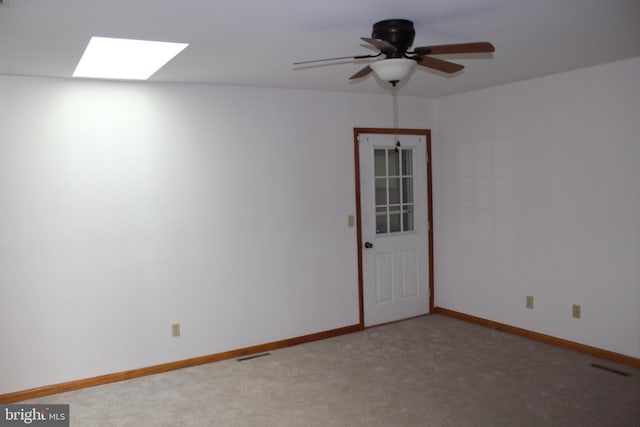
(393, 69)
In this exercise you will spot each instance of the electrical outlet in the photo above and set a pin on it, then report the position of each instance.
(529, 303)
(576, 311)
(175, 330)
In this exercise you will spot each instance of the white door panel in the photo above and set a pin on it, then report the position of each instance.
(410, 274)
(384, 277)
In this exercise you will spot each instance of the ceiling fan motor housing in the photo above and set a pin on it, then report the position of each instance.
(398, 32)
(393, 38)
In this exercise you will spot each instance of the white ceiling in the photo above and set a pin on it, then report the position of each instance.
(255, 42)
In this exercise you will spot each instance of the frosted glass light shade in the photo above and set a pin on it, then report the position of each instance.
(393, 69)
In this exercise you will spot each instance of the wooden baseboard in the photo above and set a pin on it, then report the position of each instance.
(548, 339)
(165, 367)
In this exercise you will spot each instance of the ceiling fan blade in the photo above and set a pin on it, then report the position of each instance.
(439, 64)
(336, 59)
(381, 45)
(475, 47)
(363, 72)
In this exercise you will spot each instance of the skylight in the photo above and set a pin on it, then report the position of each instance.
(111, 58)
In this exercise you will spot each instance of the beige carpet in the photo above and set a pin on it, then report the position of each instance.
(430, 371)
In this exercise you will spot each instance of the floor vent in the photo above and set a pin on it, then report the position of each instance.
(614, 371)
(253, 356)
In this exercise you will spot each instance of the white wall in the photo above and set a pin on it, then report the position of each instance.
(125, 207)
(537, 192)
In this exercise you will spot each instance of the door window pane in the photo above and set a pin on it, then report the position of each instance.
(381, 191)
(380, 162)
(394, 162)
(407, 190)
(394, 190)
(407, 162)
(395, 224)
(381, 220)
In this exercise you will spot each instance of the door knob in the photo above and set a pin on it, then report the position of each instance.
(368, 245)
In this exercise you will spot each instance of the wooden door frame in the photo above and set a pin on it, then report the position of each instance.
(356, 150)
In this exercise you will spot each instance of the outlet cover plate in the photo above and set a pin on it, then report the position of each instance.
(175, 330)
(575, 311)
(529, 302)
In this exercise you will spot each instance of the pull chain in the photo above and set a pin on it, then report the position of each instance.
(394, 91)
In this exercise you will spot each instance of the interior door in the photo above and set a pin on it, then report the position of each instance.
(394, 226)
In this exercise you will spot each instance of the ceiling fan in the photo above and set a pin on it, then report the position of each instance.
(393, 38)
